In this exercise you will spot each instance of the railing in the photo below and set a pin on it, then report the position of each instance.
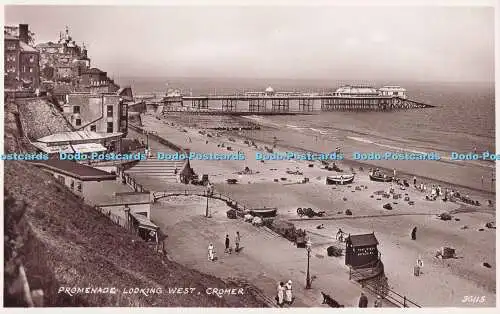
(375, 281)
(237, 205)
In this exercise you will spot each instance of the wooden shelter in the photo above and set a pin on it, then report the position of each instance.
(361, 250)
(187, 173)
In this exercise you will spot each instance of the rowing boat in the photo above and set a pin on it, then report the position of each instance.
(380, 177)
(264, 212)
(340, 179)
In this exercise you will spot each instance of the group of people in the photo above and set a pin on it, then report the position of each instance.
(284, 293)
(363, 301)
(228, 249)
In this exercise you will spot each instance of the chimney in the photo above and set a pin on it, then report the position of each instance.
(23, 33)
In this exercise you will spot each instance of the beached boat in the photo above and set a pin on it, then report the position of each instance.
(340, 179)
(380, 177)
(264, 212)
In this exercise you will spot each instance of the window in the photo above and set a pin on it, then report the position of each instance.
(110, 111)
(72, 186)
(32, 59)
(110, 127)
(79, 187)
(78, 122)
(76, 109)
(60, 178)
(31, 69)
(92, 128)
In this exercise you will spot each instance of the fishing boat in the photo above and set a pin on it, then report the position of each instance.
(380, 177)
(340, 179)
(264, 212)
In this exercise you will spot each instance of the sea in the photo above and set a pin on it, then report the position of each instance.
(462, 121)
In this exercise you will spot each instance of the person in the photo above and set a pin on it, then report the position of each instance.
(237, 241)
(378, 302)
(227, 250)
(340, 234)
(363, 300)
(281, 292)
(211, 252)
(288, 289)
(414, 233)
(414, 180)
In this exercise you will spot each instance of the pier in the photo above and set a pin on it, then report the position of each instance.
(350, 98)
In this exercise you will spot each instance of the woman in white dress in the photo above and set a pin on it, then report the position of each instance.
(211, 252)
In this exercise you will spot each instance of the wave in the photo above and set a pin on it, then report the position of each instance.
(360, 139)
(410, 150)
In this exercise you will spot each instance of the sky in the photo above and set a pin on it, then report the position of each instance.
(426, 43)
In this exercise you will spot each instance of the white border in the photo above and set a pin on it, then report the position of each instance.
(263, 3)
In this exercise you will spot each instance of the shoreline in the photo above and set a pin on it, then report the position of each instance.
(356, 164)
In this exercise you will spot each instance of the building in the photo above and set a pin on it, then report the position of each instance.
(21, 61)
(356, 91)
(101, 113)
(361, 250)
(72, 174)
(63, 60)
(78, 142)
(393, 90)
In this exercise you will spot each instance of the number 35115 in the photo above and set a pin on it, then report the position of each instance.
(473, 299)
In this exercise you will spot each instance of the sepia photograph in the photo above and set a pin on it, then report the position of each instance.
(239, 155)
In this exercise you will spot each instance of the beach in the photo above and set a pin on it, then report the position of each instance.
(451, 279)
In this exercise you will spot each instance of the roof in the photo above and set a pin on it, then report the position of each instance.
(392, 88)
(26, 48)
(144, 222)
(68, 148)
(269, 90)
(74, 169)
(94, 71)
(363, 239)
(357, 90)
(77, 136)
(127, 198)
(48, 45)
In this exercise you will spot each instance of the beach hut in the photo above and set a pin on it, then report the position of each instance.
(187, 173)
(361, 250)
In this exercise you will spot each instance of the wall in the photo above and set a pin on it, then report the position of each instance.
(144, 209)
(29, 67)
(91, 109)
(72, 183)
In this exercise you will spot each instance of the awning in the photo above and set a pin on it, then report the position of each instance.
(53, 149)
(88, 148)
(144, 222)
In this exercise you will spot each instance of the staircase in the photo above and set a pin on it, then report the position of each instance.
(162, 170)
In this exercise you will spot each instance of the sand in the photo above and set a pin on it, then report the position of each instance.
(443, 283)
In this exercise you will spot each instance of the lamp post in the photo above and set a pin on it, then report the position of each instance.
(308, 277)
(209, 191)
